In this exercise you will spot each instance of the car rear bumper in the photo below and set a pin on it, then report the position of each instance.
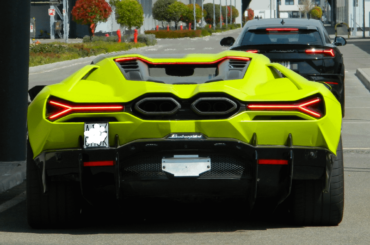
(236, 169)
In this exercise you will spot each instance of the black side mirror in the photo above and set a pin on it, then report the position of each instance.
(227, 41)
(340, 41)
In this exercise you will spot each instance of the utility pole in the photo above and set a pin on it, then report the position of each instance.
(195, 19)
(14, 49)
(270, 9)
(214, 15)
(363, 9)
(65, 20)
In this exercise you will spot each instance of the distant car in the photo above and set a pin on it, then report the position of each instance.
(301, 45)
(227, 125)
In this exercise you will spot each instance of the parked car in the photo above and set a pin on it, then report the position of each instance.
(302, 45)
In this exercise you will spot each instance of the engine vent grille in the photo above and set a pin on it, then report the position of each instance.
(129, 65)
(238, 64)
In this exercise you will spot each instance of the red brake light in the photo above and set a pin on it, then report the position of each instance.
(328, 52)
(98, 164)
(272, 162)
(253, 51)
(183, 63)
(306, 107)
(64, 109)
(282, 29)
(334, 83)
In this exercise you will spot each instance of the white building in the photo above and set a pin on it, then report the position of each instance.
(286, 8)
(350, 14)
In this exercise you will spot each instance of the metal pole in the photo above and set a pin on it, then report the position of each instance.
(231, 12)
(14, 49)
(195, 19)
(226, 13)
(363, 22)
(270, 9)
(65, 20)
(354, 19)
(202, 14)
(214, 15)
(52, 22)
(220, 13)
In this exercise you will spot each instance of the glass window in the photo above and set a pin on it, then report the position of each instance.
(317, 2)
(300, 2)
(262, 37)
(289, 2)
(279, 2)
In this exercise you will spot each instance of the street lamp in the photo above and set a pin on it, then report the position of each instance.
(220, 13)
(226, 13)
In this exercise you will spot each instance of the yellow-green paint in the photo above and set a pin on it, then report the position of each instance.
(107, 84)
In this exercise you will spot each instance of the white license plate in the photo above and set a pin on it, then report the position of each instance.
(186, 165)
(96, 135)
(284, 63)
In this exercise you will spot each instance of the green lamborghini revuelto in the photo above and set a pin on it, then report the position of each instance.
(227, 125)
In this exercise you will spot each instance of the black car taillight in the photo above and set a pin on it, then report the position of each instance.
(313, 106)
(57, 109)
(326, 52)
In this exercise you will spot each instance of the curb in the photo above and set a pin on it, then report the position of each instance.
(364, 77)
(11, 174)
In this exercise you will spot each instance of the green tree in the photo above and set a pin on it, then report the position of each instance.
(316, 13)
(209, 10)
(160, 10)
(175, 11)
(129, 13)
(188, 17)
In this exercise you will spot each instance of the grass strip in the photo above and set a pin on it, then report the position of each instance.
(42, 54)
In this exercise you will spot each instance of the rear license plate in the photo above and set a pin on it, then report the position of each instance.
(186, 165)
(96, 135)
(284, 63)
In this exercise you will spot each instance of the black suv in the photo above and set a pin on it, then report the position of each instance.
(300, 44)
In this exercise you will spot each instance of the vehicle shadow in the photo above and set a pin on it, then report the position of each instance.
(158, 217)
(361, 43)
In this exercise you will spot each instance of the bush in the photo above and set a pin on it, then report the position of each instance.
(206, 33)
(148, 39)
(112, 39)
(175, 34)
(98, 39)
(86, 39)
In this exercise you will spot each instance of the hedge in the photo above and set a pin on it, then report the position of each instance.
(175, 34)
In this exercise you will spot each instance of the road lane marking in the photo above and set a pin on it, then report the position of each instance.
(152, 49)
(208, 48)
(170, 49)
(189, 48)
(356, 148)
(61, 67)
(11, 203)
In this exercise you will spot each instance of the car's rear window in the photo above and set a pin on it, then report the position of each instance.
(262, 37)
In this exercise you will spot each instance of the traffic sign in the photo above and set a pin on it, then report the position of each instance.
(31, 28)
(52, 12)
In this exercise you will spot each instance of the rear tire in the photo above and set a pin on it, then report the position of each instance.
(312, 207)
(59, 208)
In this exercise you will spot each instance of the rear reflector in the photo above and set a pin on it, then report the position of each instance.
(327, 52)
(282, 29)
(253, 51)
(272, 162)
(334, 83)
(98, 164)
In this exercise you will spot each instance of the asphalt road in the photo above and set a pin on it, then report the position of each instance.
(216, 223)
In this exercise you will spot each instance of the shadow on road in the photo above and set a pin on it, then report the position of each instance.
(158, 218)
(362, 43)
